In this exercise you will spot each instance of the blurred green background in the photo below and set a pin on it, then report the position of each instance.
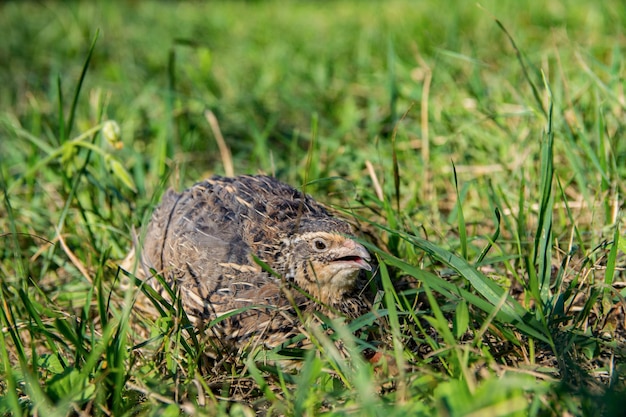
(277, 74)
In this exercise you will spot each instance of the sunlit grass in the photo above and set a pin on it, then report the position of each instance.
(482, 159)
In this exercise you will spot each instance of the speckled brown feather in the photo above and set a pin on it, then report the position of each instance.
(203, 240)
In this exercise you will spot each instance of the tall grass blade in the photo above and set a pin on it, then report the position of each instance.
(11, 396)
(520, 59)
(163, 146)
(460, 217)
(394, 322)
(81, 79)
(604, 160)
(521, 217)
(18, 261)
(609, 273)
(396, 168)
(391, 79)
(63, 136)
(543, 235)
(311, 153)
(492, 240)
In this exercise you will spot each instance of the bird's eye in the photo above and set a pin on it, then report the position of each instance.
(319, 244)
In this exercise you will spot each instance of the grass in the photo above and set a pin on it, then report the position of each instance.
(480, 148)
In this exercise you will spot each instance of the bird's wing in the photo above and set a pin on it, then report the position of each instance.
(197, 243)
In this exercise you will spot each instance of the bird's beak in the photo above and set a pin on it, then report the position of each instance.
(356, 254)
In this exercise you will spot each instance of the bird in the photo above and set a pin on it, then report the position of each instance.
(252, 257)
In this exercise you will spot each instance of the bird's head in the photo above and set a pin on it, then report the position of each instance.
(325, 264)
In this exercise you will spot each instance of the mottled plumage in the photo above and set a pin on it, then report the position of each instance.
(205, 241)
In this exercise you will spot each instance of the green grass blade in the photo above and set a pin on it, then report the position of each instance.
(543, 235)
(460, 216)
(394, 322)
(492, 240)
(12, 394)
(520, 59)
(63, 135)
(511, 311)
(609, 273)
(81, 79)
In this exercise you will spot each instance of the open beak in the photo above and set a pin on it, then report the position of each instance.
(354, 253)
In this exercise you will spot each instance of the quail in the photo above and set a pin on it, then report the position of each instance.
(253, 256)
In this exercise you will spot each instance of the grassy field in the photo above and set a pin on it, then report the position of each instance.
(480, 147)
